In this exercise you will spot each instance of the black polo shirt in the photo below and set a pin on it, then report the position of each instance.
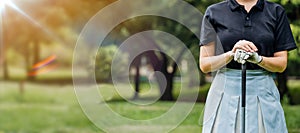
(266, 25)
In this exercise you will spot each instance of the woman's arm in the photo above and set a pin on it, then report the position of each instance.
(278, 63)
(209, 62)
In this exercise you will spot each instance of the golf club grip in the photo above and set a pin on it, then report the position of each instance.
(243, 124)
(244, 68)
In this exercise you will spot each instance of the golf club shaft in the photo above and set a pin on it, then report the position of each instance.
(243, 120)
(244, 67)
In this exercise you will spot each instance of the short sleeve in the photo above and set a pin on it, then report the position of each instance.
(208, 33)
(283, 34)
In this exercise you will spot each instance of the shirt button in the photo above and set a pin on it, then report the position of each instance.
(247, 18)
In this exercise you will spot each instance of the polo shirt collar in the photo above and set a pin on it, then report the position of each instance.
(234, 5)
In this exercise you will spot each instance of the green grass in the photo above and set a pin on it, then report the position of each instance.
(54, 109)
(57, 75)
(41, 109)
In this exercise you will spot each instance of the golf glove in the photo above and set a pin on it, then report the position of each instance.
(241, 56)
(254, 58)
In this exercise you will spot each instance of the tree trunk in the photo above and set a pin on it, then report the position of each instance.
(36, 58)
(27, 61)
(167, 87)
(137, 83)
(28, 66)
(137, 80)
(166, 93)
(5, 69)
(137, 63)
(161, 65)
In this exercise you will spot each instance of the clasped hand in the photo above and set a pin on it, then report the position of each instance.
(246, 51)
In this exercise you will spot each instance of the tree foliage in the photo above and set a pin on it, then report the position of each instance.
(103, 64)
(292, 8)
(27, 25)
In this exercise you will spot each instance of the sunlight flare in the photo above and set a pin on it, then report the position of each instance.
(30, 19)
(3, 3)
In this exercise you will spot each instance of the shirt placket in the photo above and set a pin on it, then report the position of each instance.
(247, 22)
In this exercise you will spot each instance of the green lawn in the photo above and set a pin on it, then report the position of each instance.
(54, 109)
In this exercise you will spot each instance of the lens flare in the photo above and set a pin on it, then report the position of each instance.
(3, 3)
(43, 66)
(45, 62)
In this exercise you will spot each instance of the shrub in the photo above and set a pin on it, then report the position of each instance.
(294, 88)
(103, 63)
(203, 92)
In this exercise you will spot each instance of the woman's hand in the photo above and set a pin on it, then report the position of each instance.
(255, 58)
(244, 45)
(245, 49)
(277, 63)
(241, 56)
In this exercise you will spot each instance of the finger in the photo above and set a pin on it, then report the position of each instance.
(244, 45)
(245, 48)
(246, 56)
(252, 47)
(237, 46)
(242, 56)
(241, 60)
(236, 55)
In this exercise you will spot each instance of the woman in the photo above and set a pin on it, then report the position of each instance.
(260, 32)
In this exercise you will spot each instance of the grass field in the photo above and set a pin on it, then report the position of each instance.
(54, 109)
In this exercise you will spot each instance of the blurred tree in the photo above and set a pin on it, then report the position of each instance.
(292, 8)
(103, 64)
(44, 22)
(58, 21)
(159, 60)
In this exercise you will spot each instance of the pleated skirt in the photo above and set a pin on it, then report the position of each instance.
(263, 113)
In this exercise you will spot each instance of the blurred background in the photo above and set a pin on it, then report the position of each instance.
(38, 38)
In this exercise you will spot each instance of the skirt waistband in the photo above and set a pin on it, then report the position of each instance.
(236, 72)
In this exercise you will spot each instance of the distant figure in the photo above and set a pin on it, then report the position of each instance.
(256, 32)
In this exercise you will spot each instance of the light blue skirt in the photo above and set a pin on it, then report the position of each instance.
(263, 109)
